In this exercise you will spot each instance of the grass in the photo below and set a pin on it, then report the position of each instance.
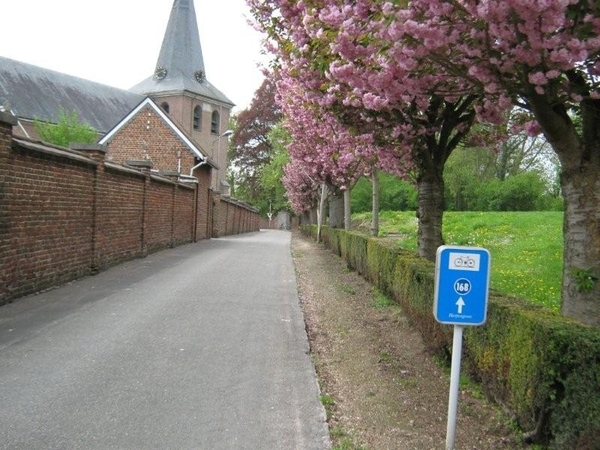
(382, 301)
(347, 289)
(328, 403)
(326, 400)
(385, 357)
(526, 247)
(344, 442)
(347, 444)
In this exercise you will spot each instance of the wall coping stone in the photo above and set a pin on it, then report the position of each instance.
(140, 164)
(120, 168)
(8, 118)
(80, 146)
(54, 151)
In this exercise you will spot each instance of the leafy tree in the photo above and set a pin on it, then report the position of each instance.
(466, 171)
(250, 148)
(67, 130)
(395, 194)
(525, 191)
(473, 185)
(273, 196)
(469, 171)
(523, 153)
(267, 192)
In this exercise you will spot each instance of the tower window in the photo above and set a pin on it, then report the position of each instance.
(197, 118)
(214, 123)
(165, 107)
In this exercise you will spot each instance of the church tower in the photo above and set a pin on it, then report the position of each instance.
(180, 86)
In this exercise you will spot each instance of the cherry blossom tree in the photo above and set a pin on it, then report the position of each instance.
(323, 154)
(417, 71)
(346, 57)
(542, 56)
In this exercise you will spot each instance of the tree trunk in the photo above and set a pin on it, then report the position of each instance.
(581, 228)
(321, 211)
(347, 211)
(375, 215)
(336, 211)
(430, 188)
(579, 154)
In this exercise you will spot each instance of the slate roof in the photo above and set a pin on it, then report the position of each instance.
(180, 65)
(32, 92)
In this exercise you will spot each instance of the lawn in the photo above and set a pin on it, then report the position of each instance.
(526, 247)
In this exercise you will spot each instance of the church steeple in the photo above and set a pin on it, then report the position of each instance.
(180, 65)
(181, 52)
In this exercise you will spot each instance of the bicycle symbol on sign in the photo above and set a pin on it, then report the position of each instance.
(464, 261)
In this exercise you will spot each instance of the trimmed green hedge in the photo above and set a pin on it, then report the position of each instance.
(542, 367)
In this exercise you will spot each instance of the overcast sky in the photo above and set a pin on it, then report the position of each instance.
(117, 42)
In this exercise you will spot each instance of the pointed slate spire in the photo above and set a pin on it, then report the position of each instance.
(181, 52)
(180, 65)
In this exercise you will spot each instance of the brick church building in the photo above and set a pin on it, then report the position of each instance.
(177, 99)
(155, 178)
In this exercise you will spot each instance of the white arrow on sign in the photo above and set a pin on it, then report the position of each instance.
(460, 303)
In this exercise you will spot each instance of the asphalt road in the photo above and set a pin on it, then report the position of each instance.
(198, 347)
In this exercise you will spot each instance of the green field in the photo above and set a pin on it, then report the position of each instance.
(526, 247)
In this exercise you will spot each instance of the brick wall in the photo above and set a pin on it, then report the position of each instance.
(183, 213)
(119, 215)
(234, 217)
(147, 137)
(51, 198)
(67, 213)
(159, 210)
(181, 110)
(204, 202)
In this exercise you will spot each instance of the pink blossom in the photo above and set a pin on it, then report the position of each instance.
(538, 78)
(371, 69)
(532, 128)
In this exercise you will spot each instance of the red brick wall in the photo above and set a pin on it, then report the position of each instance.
(183, 213)
(219, 217)
(147, 137)
(47, 220)
(234, 217)
(204, 209)
(67, 213)
(119, 215)
(6, 248)
(159, 214)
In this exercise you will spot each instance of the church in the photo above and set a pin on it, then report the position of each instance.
(155, 178)
(176, 99)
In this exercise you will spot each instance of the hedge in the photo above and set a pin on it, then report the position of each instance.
(541, 367)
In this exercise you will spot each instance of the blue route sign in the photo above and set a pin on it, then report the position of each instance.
(462, 277)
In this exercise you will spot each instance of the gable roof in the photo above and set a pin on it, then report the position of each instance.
(180, 66)
(32, 92)
(194, 148)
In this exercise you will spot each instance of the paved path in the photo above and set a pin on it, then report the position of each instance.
(198, 347)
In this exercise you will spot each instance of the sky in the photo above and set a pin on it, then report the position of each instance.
(117, 42)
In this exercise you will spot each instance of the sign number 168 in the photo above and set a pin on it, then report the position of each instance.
(462, 286)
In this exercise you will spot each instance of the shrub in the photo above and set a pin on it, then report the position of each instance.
(66, 131)
(543, 367)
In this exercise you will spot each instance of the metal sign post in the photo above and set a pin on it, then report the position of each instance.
(462, 276)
